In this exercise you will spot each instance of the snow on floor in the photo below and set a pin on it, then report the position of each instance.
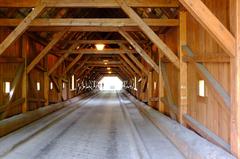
(97, 130)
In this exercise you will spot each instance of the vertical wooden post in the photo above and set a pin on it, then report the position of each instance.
(149, 86)
(60, 89)
(160, 85)
(235, 80)
(182, 100)
(25, 77)
(46, 88)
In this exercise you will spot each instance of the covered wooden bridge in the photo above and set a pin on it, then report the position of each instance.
(178, 61)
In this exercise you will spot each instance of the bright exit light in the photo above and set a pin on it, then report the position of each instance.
(100, 47)
(110, 83)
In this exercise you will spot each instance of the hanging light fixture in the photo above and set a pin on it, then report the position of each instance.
(109, 72)
(99, 47)
(108, 68)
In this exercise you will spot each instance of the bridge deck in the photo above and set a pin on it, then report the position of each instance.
(106, 126)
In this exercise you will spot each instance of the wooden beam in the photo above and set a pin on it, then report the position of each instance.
(212, 25)
(12, 105)
(149, 32)
(87, 29)
(19, 30)
(76, 22)
(44, 52)
(87, 3)
(81, 65)
(235, 80)
(95, 51)
(12, 93)
(11, 60)
(55, 82)
(102, 63)
(130, 70)
(207, 59)
(182, 87)
(139, 49)
(104, 41)
(73, 63)
(131, 64)
(138, 63)
(205, 132)
(213, 84)
(134, 59)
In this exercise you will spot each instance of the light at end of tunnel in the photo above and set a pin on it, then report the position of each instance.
(100, 47)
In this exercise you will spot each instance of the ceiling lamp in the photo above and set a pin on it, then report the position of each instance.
(100, 47)
(108, 68)
(109, 72)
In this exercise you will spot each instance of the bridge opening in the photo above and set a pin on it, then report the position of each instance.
(110, 83)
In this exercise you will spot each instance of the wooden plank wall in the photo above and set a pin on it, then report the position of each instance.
(208, 110)
(8, 70)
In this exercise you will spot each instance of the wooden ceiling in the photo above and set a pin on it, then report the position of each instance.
(86, 23)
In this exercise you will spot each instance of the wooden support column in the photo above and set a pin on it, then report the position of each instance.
(235, 80)
(182, 100)
(24, 77)
(160, 85)
(46, 88)
(60, 83)
(19, 30)
(150, 87)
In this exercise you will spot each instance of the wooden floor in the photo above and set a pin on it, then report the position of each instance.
(105, 126)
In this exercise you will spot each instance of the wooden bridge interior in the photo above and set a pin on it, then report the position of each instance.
(180, 57)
